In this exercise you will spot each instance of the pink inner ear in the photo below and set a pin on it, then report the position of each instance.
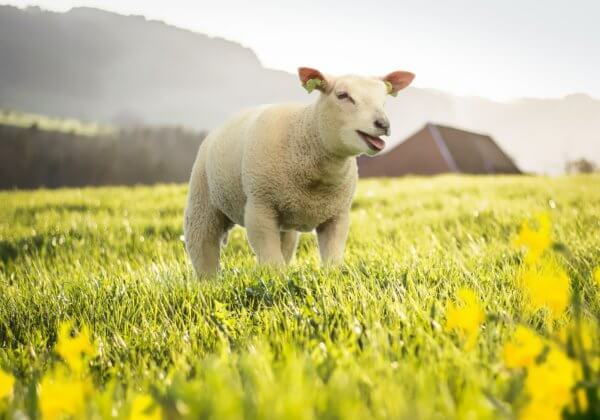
(399, 79)
(306, 73)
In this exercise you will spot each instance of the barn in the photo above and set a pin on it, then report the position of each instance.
(437, 149)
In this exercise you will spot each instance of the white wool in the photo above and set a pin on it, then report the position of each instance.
(282, 169)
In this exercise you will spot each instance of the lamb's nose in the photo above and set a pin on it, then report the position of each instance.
(383, 124)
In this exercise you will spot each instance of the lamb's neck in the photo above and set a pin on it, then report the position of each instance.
(309, 148)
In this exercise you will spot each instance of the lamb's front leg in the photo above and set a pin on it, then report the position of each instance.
(263, 233)
(332, 237)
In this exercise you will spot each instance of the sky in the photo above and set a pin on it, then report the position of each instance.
(498, 49)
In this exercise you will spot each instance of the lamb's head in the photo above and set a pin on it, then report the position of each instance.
(350, 110)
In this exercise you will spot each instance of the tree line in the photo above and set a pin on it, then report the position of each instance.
(34, 158)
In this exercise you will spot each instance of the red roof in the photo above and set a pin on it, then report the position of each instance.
(437, 149)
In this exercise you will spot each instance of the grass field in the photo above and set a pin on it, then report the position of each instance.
(364, 340)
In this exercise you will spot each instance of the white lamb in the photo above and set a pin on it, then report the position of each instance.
(283, 169)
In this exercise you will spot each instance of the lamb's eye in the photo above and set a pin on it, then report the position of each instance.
(343, 95)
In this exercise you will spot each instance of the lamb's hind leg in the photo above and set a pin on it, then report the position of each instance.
(203, 239)
(204, 229)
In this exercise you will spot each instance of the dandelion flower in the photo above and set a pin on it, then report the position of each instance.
(60, 395)
(142, 408)
(549, 384)
(539, 411)
(547, 285)
(535, 240)
(74, 349)
(7, 382)
(466, 316)
(523, 349)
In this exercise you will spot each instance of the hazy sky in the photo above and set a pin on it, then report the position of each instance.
(499, 49)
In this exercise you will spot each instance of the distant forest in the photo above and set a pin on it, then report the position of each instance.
(32, 158)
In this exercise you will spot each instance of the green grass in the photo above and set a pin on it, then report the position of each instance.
(43, 122)
(364, 340)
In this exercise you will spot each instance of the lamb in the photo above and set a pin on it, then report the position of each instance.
(283, 169)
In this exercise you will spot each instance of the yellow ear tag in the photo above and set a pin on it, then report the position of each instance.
(390, 88)
(312, 84)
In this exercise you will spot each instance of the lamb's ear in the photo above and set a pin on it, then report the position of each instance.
(312, 79)
(398, 80)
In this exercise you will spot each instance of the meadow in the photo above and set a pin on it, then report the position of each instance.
(370, 339)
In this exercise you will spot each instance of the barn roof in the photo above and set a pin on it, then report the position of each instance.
(439, 149)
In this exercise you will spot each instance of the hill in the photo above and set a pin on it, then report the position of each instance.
(101, 66)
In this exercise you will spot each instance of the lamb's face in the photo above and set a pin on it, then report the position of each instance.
(356, 104)
(350, 109)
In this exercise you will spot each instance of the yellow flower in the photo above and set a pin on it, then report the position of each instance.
(547, 286)
(466, 317)
(7, 383)
(74, 349)
(540, 411)
(535, 240)
(523, 349)
(597, 276)
(549, 384)
(61, 395)
(142, 408)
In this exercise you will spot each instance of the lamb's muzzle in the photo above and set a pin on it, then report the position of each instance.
(376, 144)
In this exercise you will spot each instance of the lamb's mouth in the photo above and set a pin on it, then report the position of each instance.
(375, 143)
